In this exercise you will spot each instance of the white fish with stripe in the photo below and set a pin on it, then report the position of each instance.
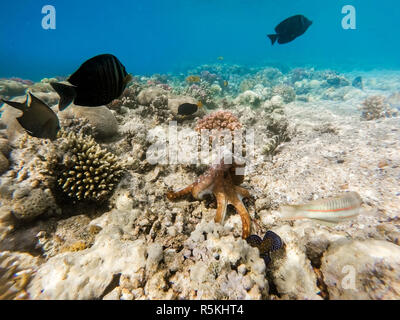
(325, 211)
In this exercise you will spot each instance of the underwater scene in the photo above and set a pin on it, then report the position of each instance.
(200, 150)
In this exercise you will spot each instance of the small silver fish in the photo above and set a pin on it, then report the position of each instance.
(326, 211)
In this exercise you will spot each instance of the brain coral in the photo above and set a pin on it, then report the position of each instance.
(89, 172)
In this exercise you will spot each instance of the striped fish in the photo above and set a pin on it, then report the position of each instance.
(326, 211)
(97, 82)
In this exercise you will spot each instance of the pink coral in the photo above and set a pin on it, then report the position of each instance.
(219, 120)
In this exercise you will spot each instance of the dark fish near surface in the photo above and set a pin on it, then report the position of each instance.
(290, 29)
(270, 242)
(358, 83)
(97, 82)
(37, 119)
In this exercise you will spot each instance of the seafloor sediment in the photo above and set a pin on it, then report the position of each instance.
(316, 136)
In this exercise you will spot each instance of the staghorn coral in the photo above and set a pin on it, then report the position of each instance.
(219, 120)
(375, 107)
(89, 172)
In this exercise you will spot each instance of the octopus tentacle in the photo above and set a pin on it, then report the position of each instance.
(172, 195)
(242, 192)
(222, 204)
(244, 215)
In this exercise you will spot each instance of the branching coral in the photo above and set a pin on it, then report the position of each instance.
(89, 172)
(375, 107)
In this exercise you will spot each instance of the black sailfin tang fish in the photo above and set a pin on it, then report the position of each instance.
(290, 29)
(97, 82)
(270, 242)
(37, 119)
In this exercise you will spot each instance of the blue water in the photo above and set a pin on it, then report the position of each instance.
(160, 36)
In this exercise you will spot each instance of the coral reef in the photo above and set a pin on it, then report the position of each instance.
(147, 96)
(375, 107)
(203, 93)
(26, 188)
(219, 120)
(334, 80)
(249, 98)
(122, 238)
(89, 172)
(118, 266)
(128, 99)
(286, 92)
(12, 88)
(300, 74)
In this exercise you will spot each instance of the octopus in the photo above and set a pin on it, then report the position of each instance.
(222, 181)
